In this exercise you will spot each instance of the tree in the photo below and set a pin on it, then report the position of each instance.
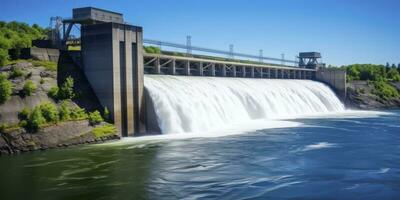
(5, 89)
(394, 75)
(394, 66)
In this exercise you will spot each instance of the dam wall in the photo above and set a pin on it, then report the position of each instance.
(335, 78)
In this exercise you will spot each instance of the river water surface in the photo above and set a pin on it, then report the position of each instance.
(347, 157)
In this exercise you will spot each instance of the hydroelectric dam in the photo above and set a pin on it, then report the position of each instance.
(172, 92)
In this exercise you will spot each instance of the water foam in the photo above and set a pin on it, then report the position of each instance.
(185, 104)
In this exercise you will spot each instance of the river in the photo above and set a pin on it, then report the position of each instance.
(345, 156)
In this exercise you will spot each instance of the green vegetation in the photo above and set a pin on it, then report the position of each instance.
(105, 130)
(29, 88)
(78, 114)
(17, 35)
(66, 91)
(371, 72)
(16, 72)
(106, 115)
(5, 88)
(385, 90)
(95, 118)
(379, 76)
(65, 112)
(152, 49)
(49, 112)
(48, 65)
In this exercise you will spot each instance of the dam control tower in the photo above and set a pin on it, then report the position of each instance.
(112, 61)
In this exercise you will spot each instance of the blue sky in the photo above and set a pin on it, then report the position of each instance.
(344, 31)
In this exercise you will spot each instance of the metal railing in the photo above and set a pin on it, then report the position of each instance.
(215, 51)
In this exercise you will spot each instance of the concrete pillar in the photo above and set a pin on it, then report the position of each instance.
(172, 67)
(252, 72)
(243, 71)
(223, 70)
(269, 72)
(200, 69)
(187, 68)
(233, 69)
(213, 69)
(157, 66)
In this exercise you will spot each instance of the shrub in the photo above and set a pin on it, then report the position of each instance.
(95, 118)
(78, 114)
(36, 120)
(66, 91)
(106, 115)
(16, 72)
(49, 112)
(29, 88)
(3, 57)
(103, 131)
(24, 114)
(385, 90)
(41, 81)
(49, 65)
(65, 112)
(53, 92)
(5, 89)
(152, 49)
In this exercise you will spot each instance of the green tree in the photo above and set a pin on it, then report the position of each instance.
(5, 89)
(394, 74)
(29, 88)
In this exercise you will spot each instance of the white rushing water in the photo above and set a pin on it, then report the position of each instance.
(195, 104)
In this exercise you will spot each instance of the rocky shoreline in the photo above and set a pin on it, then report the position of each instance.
(360, 96)
(57, 136)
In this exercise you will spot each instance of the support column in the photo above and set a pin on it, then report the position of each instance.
(212, 69)
(269, 72)
(233, 69)
(223, 70)
(157, 66)
(252, 72)
(243, 71)
(172, 67)
(187, 68)
(200, 69)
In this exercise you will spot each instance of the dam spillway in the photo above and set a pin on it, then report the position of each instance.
(194, 104)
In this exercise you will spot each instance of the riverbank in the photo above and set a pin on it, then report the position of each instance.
(364, 95)
(46, 105)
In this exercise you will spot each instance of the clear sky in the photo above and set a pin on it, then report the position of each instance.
(344, 31)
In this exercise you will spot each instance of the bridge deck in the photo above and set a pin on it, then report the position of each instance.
(189, 66)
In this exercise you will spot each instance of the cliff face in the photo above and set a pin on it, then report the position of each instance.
(360, 95)
(14, 135)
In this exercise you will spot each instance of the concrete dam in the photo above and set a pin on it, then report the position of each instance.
(162, 93)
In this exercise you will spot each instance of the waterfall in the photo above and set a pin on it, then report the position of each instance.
(194, 104)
